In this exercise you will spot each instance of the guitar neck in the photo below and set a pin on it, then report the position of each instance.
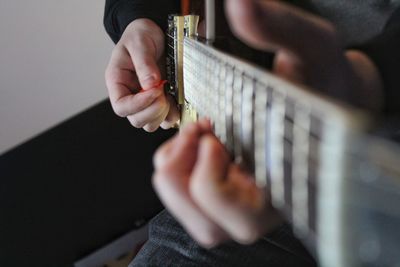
(302, 147)
(276, 129)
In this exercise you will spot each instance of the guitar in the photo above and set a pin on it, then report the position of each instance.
(338, 184)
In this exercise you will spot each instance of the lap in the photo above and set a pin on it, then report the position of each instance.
(170, 245)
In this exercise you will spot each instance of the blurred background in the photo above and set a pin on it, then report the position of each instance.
(53, 57)
(73, 176)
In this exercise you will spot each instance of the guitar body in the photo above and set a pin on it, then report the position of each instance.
(336, 184)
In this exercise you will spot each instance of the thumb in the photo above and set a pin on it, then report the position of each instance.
(144, 57)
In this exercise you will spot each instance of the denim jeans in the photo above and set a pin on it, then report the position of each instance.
(170, 245)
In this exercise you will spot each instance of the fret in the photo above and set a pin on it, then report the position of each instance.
(288, 155)
(331, 193)
(268, 135)
(215, 93)
(247, 114)
(301, 131)
(229, 108)
(190, 59)
(221, 103)
(313, 166)
(201, 96)
(260, 129)
(237, 116)
(207, 85)
(277, 186)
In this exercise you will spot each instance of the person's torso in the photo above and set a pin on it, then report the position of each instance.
(356, 20)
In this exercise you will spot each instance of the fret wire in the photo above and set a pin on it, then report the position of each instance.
(247, 122)
(217, 124)
(206, 85)
(287, 154)
(300, 170)
(268, 135)
(260, 129)
(276, 152)
(221, 104)
(313, 166)
(214, 92)
(229, 108)
(237, 123)
(211, 90)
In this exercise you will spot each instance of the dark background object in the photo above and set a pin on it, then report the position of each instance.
(75, 188)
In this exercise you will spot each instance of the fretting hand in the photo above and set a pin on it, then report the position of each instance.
(212, 197)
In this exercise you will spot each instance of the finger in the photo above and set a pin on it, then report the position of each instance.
(290, 67)
(274, 25)
(171, 184)
(161, 156)
(132, 103)
(144, 57)
(173, 114)
(120, 71)
(158, 108)
(155, 124)
(121, 80)
(227, 196)
(186, 139)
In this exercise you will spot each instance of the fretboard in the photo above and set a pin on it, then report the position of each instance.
(289, 137)
(305, 149)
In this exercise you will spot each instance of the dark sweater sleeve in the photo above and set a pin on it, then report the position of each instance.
(384, 51)
(119, 13)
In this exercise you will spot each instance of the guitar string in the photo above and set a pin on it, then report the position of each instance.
(379, 187)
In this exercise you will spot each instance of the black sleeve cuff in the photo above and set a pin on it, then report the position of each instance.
(384, 51)
(119, 14)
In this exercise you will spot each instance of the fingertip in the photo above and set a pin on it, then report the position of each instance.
(205, 125)
(189, 129)
(211, 148)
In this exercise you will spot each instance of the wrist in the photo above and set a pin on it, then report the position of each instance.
(145, 31)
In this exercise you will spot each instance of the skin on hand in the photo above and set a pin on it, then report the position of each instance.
(134, 64)
(209, 195)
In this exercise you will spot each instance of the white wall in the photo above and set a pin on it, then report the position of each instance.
(52, 59)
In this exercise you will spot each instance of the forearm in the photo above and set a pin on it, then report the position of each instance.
(119, 13)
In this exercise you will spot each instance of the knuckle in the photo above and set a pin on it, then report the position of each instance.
(197, 189)
(118, 110)
(155, 179)
(151, 128)
(207, 238)
(247, 234)
(135, 122)
(163, 177)
(160, 157)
